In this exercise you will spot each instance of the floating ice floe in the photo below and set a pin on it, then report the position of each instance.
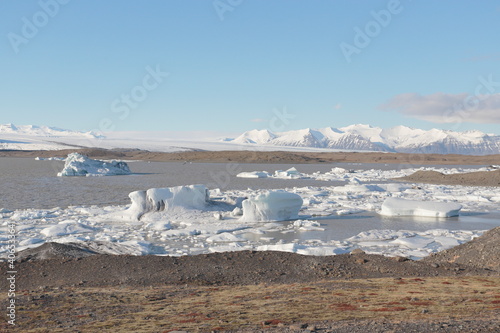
(66, 228)
(49, 158)
(403, 207)
(272, 206)
(186, 220)
(305, 225)
(254, 174)
(353, 176)
(358, 188)
(80, 165)
(291, 173)
(168, 198)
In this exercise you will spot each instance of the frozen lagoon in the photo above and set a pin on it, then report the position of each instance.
(31, 190)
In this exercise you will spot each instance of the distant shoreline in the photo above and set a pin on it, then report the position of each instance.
(272, 157)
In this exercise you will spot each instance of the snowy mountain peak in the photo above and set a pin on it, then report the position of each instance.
(44, 131)
(368, 138)
(255, 136)
(357, 127)
(7, 128)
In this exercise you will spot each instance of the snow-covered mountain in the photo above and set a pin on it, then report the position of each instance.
(31, 137)
(44, 131)
(352, 138)
(367, 138)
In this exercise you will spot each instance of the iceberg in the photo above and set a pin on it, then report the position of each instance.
(164, 199)
(81, 165)
(253, 174)
(290, 173)
(272, 206)
(403, 207)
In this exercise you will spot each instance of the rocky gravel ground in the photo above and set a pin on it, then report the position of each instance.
(479, 178)
(67, 288)
(243, 156)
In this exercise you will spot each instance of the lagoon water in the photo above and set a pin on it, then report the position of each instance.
(51, 208)
(28, 183)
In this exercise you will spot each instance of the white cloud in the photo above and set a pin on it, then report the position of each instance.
(447, 108)
(338, 106)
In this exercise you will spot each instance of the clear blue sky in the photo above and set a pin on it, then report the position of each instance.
(230, 63)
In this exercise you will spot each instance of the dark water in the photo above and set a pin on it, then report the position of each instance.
(27, 183)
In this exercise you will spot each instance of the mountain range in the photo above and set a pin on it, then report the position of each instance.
(360, 137)
(42, 131)
(351, 138)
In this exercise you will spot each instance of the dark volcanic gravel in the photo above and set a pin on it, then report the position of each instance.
(73, 266)
(482, 252)
(76, 266)
(479, 178)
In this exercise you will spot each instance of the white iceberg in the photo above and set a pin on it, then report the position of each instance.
(304, 225)
(164, 199)
(338, 171)
(80, 165)
(272, 206)
(254, 174)
(291, 173)
(402, 207)
(49, 158)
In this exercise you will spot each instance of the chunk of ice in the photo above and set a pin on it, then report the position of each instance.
(80, 165)
(402, 207)
(272, 206)
(253, 174)
(164, 199)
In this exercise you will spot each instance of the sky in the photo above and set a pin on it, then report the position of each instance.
(236, 65)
